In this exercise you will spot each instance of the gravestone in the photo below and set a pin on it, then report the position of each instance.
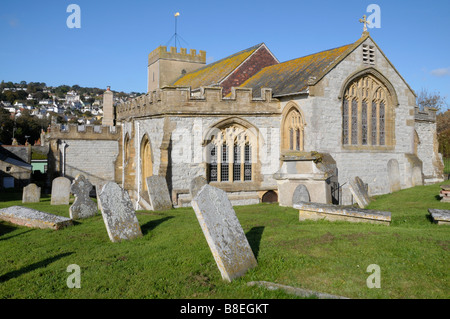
(118, 213)
(359, 191)
(196, 185)
(440, 216)
(31, 194)
(33, 218)
(445, 193)
(60, 191)
(393, 171)
(158, 192)
(301, 194)
(223, 232)
(317, 211)
(83, 206)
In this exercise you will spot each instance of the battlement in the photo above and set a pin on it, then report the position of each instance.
(162, 53)
(207, 100)
(75, 131)
(428, 114)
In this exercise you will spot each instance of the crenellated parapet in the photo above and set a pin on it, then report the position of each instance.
(428, 114)
(161, 52)
(84, 132)
(207, 100)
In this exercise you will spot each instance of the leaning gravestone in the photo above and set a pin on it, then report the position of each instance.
(359, 191)
(83, 206)
(158, 193)
(31, 194)
(223, 232)
(301, 194)
(118, 213)
(29, 217)
(60, 191)
(196, 185)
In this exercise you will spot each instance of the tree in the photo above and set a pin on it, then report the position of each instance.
(432, 100)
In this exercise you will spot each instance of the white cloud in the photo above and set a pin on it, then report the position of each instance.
(440, 72)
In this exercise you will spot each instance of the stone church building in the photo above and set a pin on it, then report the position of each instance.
(257, 127)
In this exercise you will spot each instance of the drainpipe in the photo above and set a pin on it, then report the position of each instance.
(63, 154)
(138, 166)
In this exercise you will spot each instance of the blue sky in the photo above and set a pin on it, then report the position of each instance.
(115, 37)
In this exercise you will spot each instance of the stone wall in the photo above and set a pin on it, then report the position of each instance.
(323, 130)
(427, 145)
(91, 150)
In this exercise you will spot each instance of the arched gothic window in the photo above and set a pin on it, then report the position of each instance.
(367, 115)
(292, 130)
(230, 155)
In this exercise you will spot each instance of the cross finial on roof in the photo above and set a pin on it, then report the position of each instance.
(363, 20)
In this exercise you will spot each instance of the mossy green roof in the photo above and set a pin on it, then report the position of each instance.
(292, 76)
(212, 74)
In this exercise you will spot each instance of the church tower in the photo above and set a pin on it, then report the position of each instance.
(164, 67)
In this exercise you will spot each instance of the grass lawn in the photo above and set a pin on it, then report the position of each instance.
(173, 260)
(446, 165)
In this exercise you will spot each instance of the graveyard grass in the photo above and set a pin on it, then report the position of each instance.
(173, 260)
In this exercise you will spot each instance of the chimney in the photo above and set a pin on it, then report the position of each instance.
(108, 108)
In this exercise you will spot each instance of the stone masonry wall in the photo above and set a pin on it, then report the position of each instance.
(323, 131)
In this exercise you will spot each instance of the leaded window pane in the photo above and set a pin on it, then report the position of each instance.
(382, 123)
(345, 123)
(213, 164)
(364, 122)
(291, 139)
(297, 139)
(247, 163)
(237, 163)
(374, 123)
(224, 166)
(354, 122)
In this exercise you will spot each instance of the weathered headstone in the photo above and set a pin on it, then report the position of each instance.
(60, 191)
(83, 206)
(118, 213)
(440, 216)
(393, 171)
(223, 232)
(31, 194)
(196, 185)
(158, 192)
(29, 217)
(445, 193)
(301, 194)
(359, 191)
(317, 211)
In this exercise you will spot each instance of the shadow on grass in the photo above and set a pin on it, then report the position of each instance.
(254, 239)
(4, 229)
(3, 232)
(147, 227)
(24, 270)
